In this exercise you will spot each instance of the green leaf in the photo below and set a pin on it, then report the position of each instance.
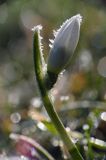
(49, 125)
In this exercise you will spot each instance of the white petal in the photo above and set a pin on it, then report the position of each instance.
(65, 42)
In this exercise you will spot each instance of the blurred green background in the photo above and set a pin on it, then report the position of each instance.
(20, 105)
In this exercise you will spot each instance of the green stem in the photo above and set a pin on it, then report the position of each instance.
(72, 149)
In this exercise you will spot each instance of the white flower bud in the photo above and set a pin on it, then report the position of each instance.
(64, 45)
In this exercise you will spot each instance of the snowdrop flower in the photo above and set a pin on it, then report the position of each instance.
(64, 44)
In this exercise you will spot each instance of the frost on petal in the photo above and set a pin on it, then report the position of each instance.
(55, 33)
(67, 22)
(65, 42)
(51, 46)
(51, 43)
(51, 40)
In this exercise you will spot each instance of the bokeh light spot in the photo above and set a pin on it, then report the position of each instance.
(102, 67)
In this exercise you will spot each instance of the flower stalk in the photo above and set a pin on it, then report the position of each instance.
(38, 66)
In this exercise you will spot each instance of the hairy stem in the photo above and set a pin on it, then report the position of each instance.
(71, 147)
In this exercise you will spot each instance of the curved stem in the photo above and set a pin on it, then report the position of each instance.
(33, 143)
(72, 149)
